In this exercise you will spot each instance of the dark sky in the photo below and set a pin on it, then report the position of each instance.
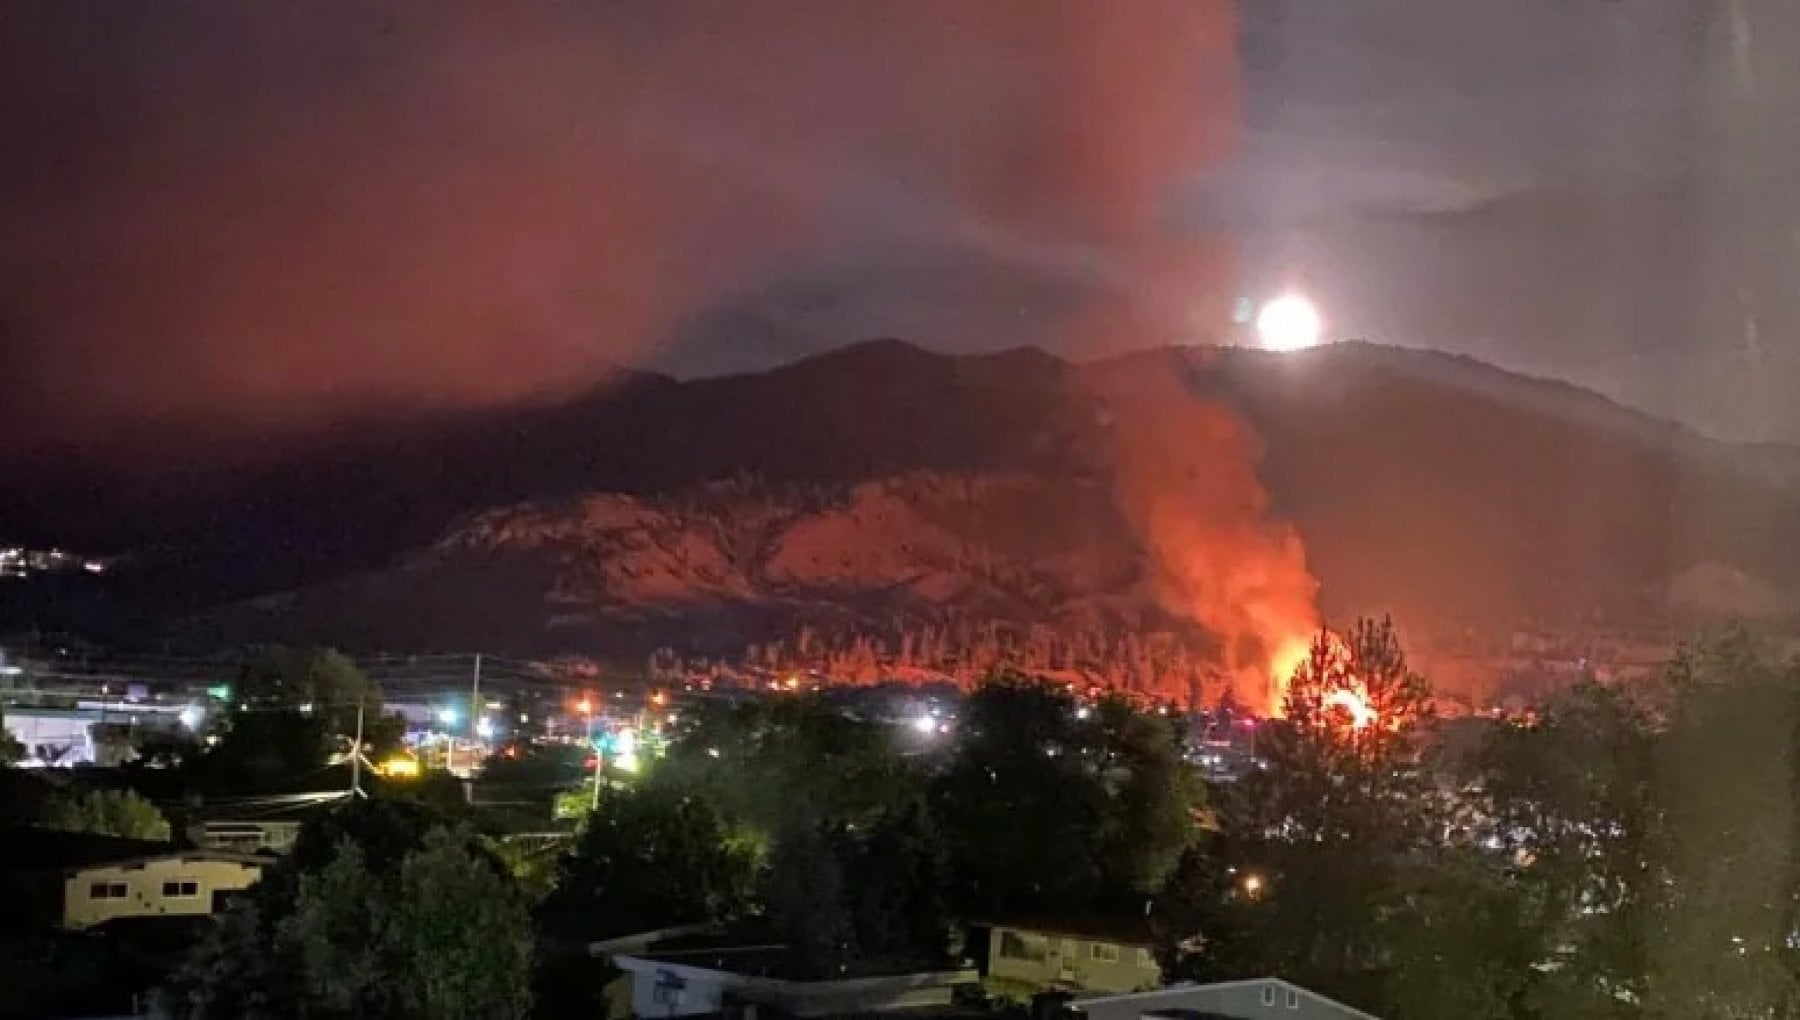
(277, 213)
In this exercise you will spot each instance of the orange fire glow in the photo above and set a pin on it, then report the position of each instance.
(1290, 654)
(1355, 703)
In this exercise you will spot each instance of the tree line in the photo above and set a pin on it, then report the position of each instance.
(1624, 853)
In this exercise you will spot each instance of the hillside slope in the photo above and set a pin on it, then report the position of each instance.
(883, 482)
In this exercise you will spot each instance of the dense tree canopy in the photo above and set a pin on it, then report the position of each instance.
(650, 859)
(119, 813)
(380, 910)
(1033, 768)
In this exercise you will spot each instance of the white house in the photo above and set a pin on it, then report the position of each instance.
(1255, 999)
(175, 884)
(677, 985)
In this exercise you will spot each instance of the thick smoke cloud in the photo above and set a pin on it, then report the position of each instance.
(1185, 473)
(280, 213)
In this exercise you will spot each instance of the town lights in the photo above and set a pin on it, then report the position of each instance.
(446, 716)
(925, 724)
(484, 728)
(624, 748)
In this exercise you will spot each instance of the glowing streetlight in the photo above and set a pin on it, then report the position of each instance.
(446, 716)
(1289, 323)
(925, 724)
(484, 728)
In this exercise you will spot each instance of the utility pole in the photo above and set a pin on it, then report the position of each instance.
(599, 765)
(475, 706)
(356, 789)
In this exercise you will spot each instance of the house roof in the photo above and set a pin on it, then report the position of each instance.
(1122, 931)
(1147, 999)
(777, 966)
(138, 861)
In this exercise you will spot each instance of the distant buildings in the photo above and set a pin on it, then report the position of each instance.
(19, 562)
(254, 836)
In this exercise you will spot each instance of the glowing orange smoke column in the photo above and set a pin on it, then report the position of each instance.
(1184, 465)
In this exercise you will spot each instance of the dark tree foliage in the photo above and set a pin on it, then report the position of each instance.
(805, 895)
(765, 763)
(1728, 784)
(838, 894)
(1033, 770)
(445, 937)
(253, 963)
(121, 813)
(896, 875)
(646, 860)
(1572, 798)
(321, 682)
(1322, 842)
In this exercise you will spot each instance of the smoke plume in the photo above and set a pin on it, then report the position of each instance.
(281, 214)
(1186, 481)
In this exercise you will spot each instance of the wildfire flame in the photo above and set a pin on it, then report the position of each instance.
(1294, 652)
(1354, 703)
(1290, 654)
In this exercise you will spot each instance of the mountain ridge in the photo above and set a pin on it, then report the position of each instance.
(1458, 496)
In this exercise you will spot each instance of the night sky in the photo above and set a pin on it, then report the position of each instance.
(278, 214)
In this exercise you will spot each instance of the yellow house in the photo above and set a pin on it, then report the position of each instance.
(1025, 959)
(175, 884)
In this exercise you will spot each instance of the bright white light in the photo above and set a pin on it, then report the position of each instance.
(484, 728)
(1288, 323)
(925, 724)
(447, 716)
(625, 742)
(192, 716)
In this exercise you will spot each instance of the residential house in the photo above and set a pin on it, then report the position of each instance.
(1256, 999)
(253, 836)
(698, 971)
(177, 883)
(1026, 958)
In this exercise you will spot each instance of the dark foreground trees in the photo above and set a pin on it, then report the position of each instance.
(381, 911)
(1033, 769)
(1628, 853)
(121, 813)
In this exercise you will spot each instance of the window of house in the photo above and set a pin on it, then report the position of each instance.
(1103, 952)
(1146, 959)
(1268, 996)
(107, 891)
(181, 889)
(1293, 999)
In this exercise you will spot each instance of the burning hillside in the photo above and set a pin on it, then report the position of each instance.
(1185, 476)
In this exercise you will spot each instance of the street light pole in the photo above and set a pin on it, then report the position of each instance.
(599, 762)
(356, 789)
(475, 707)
